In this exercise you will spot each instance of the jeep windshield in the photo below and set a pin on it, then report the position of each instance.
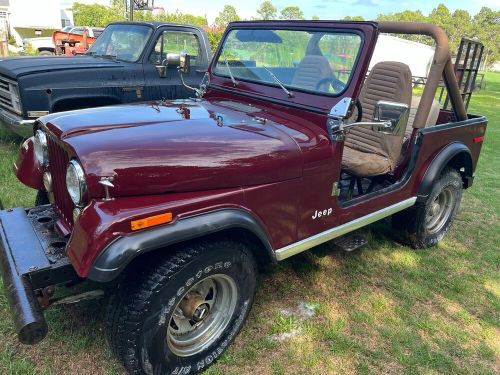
(298, 60)
(121, 42)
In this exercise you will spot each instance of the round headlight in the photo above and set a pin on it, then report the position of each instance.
(75, 182)
(41, 148)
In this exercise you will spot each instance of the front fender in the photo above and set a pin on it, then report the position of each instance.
(456, 154)
(117, 255)
(102, 241)
(26, 168)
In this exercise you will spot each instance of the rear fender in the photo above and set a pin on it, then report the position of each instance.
(456, 155)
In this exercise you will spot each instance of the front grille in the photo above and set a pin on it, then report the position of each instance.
(6, 94)
(58, 162)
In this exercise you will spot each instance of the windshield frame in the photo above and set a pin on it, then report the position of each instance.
(136, 24)
(293, 89)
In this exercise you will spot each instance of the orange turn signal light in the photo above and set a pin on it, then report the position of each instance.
(151, 221)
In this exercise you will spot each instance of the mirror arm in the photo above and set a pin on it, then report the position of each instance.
(365, 123)
(199, 93)
(339, 130)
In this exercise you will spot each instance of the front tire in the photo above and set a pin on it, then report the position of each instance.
(179, 314)
(426, 223)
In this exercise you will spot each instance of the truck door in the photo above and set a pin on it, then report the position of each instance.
(175, 40)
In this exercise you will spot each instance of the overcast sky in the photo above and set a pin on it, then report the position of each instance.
(325, 9)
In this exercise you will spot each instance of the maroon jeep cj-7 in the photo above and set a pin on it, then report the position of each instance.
(290, 143)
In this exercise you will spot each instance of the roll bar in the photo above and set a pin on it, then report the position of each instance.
(441, 67)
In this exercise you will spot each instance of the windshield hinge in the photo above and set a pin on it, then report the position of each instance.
(335, 189)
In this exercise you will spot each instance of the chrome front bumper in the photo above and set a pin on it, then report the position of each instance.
(16, 124)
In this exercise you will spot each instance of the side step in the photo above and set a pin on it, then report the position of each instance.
(350, 242)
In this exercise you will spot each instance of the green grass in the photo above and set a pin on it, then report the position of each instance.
(382, 309)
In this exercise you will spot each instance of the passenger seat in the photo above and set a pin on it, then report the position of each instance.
(367, 152)
(431, 119)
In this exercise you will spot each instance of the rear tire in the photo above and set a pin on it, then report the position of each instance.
(425, 224)
(178, 315)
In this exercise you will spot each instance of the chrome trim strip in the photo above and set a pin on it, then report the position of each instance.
(330, 234)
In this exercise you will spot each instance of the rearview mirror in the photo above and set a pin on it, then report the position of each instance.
(390, 117)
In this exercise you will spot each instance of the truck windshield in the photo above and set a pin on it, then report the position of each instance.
(121, 42)
(319, 61)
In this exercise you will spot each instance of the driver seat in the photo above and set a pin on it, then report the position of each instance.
(367, 152)
(311, 70)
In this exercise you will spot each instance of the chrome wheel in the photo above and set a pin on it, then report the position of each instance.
(202, 315)
(439, 211)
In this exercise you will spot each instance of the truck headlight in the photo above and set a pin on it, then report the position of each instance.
(75, 182)
(15, 98)
(41, 148)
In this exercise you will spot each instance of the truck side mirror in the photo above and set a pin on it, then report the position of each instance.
(182, 61)
(390, 117)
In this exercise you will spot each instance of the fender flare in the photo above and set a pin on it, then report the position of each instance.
(450, 152)
(106, 100)
(119, 253)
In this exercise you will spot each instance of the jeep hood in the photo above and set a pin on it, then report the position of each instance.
(15, 67)
(176, 146)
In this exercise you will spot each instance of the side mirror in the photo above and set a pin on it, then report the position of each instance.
(182, 61)
(390, 117)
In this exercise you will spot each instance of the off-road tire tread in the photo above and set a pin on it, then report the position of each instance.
(134, 296)
(408, 223)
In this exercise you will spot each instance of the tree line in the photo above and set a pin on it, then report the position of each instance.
(485, 25)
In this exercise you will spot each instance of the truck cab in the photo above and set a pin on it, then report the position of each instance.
(290, 142)
(120, 67)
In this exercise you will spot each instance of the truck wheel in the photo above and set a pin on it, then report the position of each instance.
(41, 198)
(45, 53)
(179, 314)
(425, 224)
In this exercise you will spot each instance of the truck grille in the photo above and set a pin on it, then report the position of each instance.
(58, 162)
(6, 94)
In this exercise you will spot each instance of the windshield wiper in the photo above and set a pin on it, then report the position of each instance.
(112, 57)
(290, 94)
(229, 70)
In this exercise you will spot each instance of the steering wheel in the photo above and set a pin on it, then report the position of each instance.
(359, 109)
(337, 85)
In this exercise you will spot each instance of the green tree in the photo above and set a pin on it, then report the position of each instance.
(315, 18)
(463, 27)
(441, 16)
(267, 11)
(354, 18)
(228, 14)
(94, 15)
(408, 16)
(291, 13)
(487, 30)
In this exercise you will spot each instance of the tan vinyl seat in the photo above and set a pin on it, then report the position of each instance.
(431, 118)
(367, 152)
(311, 70)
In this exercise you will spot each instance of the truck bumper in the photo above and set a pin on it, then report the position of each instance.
(32, 257)
(16, 124)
